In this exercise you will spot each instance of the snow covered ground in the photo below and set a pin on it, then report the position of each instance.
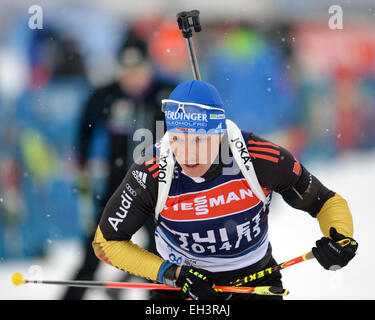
(292, 233)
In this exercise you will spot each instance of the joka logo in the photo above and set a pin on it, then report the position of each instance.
(140, 177)
(241, 148)
(163, 168)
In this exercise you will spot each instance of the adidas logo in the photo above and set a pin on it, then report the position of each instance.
(140, 177)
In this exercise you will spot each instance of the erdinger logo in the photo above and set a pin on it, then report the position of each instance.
(241, 148)
(194, 116)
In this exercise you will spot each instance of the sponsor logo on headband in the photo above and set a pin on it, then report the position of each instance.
(215, 116)
(194, 116)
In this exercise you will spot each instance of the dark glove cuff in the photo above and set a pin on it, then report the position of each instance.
(170, 276)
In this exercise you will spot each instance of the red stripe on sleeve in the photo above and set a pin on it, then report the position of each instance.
(296, 168)
(149, 162)
(153, 167)
(263, 156)
(264, 143)
(269, 150)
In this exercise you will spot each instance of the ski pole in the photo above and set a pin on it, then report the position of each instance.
(187, 20)
(260, 274)
(18, 279)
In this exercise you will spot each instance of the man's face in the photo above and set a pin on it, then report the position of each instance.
(195, 153)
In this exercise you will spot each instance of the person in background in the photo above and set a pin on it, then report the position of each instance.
(121, 107)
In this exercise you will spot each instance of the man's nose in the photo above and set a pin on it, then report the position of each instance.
(191, 153)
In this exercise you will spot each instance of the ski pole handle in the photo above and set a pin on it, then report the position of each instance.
(309, 255)
(260, 274)
(187, 20)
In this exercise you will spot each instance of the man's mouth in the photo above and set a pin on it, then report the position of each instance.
(192, 166)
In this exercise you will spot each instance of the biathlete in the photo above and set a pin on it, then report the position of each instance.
(208, 186)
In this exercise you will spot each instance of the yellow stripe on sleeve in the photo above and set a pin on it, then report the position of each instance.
(336, 213)
(127, 256)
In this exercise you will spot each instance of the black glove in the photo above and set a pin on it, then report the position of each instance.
(194, 283)
(330, 254)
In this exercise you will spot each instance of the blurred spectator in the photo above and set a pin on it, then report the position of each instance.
(121, 107)
(169, 53)
(253, 71)
(37, 135)
(337, 71)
